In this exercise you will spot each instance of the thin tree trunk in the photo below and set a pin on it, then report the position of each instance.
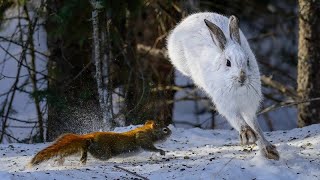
(33, 76)
(73, 105)
(309, 61)
(99, 30)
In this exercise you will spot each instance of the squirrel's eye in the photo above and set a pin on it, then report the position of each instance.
(248, 64)
(228, 63)
(165, 130)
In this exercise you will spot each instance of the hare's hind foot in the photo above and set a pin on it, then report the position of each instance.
(270, 152)
(247, 135)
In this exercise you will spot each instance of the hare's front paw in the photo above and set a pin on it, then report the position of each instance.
(247, 135)
(270, 152)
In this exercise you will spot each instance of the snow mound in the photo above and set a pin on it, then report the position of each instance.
(191, 154)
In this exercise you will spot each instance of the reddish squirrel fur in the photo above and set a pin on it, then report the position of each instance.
(104, 145)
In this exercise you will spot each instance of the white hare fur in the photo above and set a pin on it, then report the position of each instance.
(201, 54)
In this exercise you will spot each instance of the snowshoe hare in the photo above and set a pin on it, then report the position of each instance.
(211, 50)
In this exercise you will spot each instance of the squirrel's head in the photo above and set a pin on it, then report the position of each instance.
(237, 68)
(159, 130)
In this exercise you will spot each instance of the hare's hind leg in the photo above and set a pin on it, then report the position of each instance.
(267, 149)
(246, 133)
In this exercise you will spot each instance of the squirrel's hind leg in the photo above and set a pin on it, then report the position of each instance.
(99, 152)
(60, 160)
(84, 151)
(84, 156)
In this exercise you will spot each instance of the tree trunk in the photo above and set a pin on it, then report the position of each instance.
(148, 72)
(101, 61)
(309, 61)
(73, 105)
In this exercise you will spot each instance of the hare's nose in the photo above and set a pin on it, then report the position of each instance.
(242, 77)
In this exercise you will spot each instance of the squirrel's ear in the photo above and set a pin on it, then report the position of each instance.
(217, 35)
(234, 29)
(150, 122)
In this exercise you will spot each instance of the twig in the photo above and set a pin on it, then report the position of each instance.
(152, 51)
(188, 123)
(171, 88)
(217, 173)
(20, 120)
(187, 98)
(271, 97)
(25, 66)
(130, 172)
(9, 135)
(173, 12)
(79, 74)
(262, 36)
(22, 127)
(2, 38)
(268, 81)
(286, 104)
(268, 120)
(277, 70)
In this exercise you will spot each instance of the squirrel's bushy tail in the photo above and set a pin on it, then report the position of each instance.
(65, 145)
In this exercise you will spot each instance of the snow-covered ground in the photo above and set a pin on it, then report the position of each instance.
(191, 154)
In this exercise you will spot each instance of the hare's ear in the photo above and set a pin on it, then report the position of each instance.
(216, 34)
(234, 29)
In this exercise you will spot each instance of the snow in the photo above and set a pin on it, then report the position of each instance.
(191, 154)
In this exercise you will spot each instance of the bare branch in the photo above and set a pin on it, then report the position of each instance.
(17, 60)
(21, 44)
(152, 51)
(79, 74)
(188, 123)
(130, 172)
(20, 120)
(171, 88)
(9, 135)
(15, 84)
(277, 70)
(286, 104)
(8, 110)
(268, 81)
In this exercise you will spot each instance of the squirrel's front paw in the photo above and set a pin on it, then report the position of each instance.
(247, 135)
(270, 152)
(162, 152)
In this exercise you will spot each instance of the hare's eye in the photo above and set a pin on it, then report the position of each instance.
(248, 64)
(228, 63)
